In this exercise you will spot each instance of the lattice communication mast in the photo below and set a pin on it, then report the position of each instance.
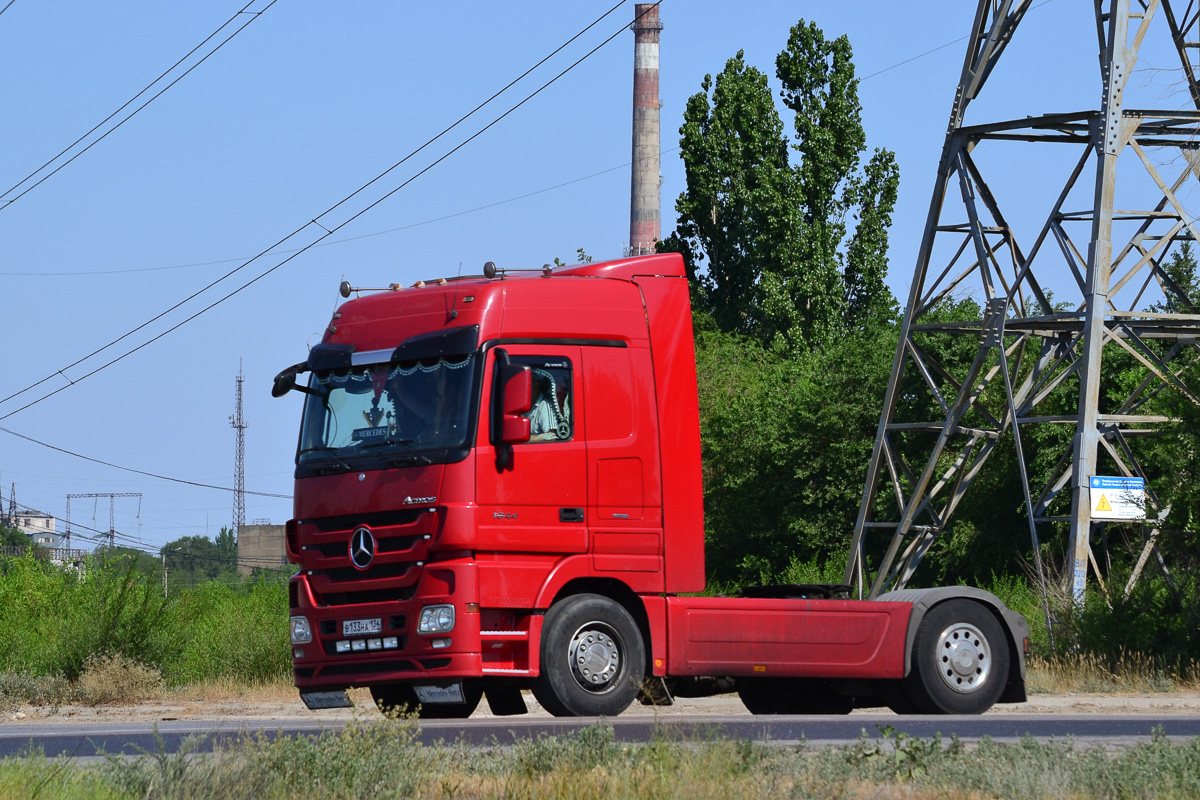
(238, 423)
(1087, 280)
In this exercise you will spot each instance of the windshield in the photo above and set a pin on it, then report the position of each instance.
(388, 409)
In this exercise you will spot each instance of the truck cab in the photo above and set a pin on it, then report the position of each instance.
(498, 487)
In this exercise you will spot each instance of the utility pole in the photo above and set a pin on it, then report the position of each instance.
(1037, 364)
(238, 423)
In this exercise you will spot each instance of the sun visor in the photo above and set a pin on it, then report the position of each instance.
(452, 342)
(330, 356)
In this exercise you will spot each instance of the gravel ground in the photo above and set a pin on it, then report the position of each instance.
(282, 705)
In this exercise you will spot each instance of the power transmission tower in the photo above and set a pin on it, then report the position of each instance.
(12, 506)
(111, 535)
(1029, 370)
(238, 423)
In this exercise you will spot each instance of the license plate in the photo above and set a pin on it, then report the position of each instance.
(359, 627)
(440, 694)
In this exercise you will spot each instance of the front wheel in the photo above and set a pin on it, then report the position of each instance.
(960, 660)
(592, 658)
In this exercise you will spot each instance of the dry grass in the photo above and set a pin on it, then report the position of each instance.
(230, 688)
(117, 679)
(1131, 672)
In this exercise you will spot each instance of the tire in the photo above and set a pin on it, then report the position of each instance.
(791, 696)
(960, 660)
(400, 696)
(592, 658)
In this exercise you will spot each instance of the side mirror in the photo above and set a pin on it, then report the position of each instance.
(516, 382)
(284, 383)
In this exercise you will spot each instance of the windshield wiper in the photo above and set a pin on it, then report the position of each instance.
(332, 451)
(414, 456)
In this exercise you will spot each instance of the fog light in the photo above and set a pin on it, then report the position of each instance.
(374, 644)
(297, 652)
(436, 619)
(358, 644)
(343, 646)
(301, 632)
(440, 643)
(391, 642)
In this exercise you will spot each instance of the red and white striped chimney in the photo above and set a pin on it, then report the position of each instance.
(644, 227)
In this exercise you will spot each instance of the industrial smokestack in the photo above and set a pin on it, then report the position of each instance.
(644, 227)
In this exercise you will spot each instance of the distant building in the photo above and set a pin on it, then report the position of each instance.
(39, 527)
(261, 546)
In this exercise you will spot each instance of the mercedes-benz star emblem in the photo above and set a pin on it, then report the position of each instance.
(362, 548)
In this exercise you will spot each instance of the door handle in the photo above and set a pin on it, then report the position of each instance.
(570, 515)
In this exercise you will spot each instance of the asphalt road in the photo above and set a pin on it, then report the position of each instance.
(90, 740)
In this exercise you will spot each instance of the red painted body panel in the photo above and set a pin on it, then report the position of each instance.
(618, 504)
(792, 638)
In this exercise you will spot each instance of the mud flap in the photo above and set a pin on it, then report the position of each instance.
(318, 700)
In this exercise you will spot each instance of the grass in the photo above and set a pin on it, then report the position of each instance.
(383, 759)
(1128, 672)
(56, 622)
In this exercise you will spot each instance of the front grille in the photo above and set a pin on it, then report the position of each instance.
(393, 570)
(389, 544)
(371, 520)
(368, 596)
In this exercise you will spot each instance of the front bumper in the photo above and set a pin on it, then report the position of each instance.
(414, 658)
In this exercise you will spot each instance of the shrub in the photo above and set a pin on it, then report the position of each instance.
(117, 679)
(18, 688)
(222, 631)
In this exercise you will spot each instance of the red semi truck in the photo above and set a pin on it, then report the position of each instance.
(498, 487)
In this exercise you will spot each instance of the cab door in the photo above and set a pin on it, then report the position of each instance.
(532, 495)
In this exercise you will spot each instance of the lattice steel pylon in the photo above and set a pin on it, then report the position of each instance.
(956, 387)
(238, 423)
(110, 538)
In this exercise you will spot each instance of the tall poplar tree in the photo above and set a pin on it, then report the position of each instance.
(789, 251)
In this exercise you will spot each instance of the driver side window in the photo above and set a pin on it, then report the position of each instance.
(550, 418)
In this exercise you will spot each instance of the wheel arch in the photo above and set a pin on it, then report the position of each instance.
(619, 593)
(1014, 625)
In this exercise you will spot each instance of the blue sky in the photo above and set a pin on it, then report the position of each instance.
(309, 102)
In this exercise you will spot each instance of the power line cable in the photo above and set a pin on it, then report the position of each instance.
(10, 2)
(934, 50)
(102, 462)
(327, 231)
(409, 226)
(253, 16)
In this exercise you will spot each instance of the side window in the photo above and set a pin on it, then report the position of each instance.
(550, 418)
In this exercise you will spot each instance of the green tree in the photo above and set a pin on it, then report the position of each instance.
(11, 537)
(785, 439)
(227, 546)
(768, 243)
(738, 213)
(195, 559)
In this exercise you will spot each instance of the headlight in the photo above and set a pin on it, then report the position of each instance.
(436, 619)
(301, 632)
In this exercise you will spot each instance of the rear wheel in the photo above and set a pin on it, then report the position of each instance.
(402, 698)
(960, 660)
(592, 658)
(791, 696)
